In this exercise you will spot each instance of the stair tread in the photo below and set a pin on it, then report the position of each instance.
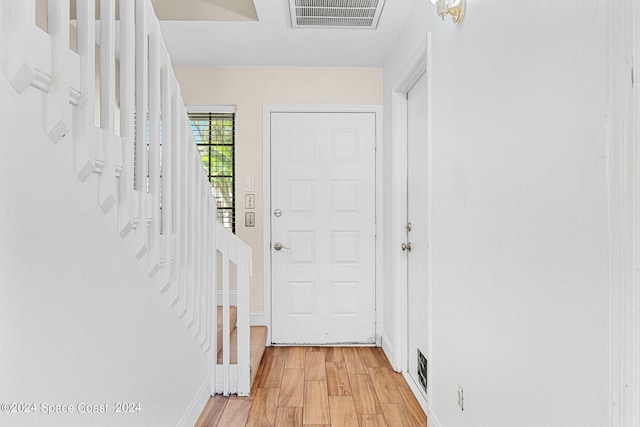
(258, 342)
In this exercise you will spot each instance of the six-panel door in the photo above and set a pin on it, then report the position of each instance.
(323, 228)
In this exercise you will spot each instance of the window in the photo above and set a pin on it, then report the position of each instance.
(215, 137)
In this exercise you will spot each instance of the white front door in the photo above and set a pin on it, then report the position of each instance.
(417, 232)
(323, 228)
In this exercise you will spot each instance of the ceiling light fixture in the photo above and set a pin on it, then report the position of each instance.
(455, 8)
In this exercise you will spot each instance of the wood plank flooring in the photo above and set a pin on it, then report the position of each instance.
(320, 386)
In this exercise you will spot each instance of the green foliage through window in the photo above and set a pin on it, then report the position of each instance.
(215, 137)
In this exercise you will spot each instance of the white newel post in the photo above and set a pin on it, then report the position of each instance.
(213, 295)
(244, 356)
(226, 331)
(205, 309)
(202, 259)
(195, 245)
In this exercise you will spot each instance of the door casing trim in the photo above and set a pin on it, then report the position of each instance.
(267, 110)
(624, 180)
(418, 64)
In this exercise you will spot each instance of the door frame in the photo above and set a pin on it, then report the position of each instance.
(624, 177)
(418, 64)
(267, 110)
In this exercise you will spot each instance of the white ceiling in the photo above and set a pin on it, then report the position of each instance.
(271, 41)
(205, 10)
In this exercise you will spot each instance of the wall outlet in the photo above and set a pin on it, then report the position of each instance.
(249, 219)
(461, 398)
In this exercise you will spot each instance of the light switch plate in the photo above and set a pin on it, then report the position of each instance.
(250, 201)
(249, 184)
(249, 219)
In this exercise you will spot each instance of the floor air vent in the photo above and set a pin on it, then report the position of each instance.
(361, 14)
(422, 370)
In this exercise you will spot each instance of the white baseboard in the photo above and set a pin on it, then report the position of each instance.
(387, 347)
(433, 420)
(420, 398)
(196, 406)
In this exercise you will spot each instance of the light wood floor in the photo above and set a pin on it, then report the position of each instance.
(320, 386)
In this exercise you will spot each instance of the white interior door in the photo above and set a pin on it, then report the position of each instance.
(323, 228)
(417, 232)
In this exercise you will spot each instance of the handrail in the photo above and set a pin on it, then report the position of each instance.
(138, 144)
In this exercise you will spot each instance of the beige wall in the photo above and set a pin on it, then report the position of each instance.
(249, 88)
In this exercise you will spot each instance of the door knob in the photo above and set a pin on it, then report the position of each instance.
(406, 246)
(278, 246)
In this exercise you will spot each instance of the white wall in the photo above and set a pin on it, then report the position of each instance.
(80, 320)
(520, 218)
(250, 88)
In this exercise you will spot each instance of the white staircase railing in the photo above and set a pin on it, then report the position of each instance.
(137, 142)
(235, 376)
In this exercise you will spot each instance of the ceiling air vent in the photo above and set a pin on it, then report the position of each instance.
(362, 14)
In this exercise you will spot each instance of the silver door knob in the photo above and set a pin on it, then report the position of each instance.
(277, 213)
(406, 246)
(278, 246)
